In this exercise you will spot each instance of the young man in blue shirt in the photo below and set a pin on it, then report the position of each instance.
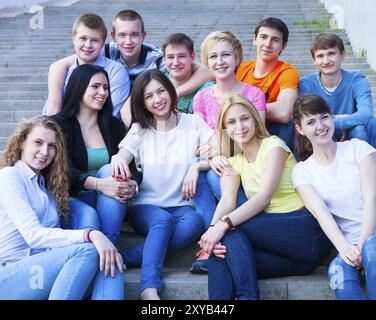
(88, 36)
(347, 93)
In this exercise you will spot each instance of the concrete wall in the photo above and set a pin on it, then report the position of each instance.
(19, 3)
(358, 18)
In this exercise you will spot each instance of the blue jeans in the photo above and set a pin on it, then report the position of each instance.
(165, 229)
(204, 199)
(371, 129)
(285, 131)
(265, 246)
(97, 211)
(359, 132)
(347, 280)
(215, 187)
(57, 274)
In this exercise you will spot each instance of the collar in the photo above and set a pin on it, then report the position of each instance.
(25, 169)
(101, 61)
(329, 93)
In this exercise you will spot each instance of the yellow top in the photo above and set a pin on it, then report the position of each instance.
(284, 198)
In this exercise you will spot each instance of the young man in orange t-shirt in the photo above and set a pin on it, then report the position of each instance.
(277, 79)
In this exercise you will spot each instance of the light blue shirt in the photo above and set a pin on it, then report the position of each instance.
(352, 96)
(28, 216)
(119, 82)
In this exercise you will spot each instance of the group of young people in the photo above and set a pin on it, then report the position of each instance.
(190, 152)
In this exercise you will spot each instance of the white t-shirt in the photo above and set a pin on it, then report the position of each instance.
(165, 158)
(339, 184)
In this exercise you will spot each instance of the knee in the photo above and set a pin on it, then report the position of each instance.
(337, 272)
(104, 172)
(89, 251)
(233, 237)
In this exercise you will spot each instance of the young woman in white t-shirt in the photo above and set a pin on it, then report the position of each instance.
(337, 183)
(165, 142)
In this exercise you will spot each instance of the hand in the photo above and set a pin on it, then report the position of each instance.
(120, 167)
(108, 254)
(126, 189)
(190, 182)
(221, 166)
(116, 188)
(352, 256)
(212, 236)
(220, 250)
(208, 150)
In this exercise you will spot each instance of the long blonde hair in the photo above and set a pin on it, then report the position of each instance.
(56, 174)
(228, 147)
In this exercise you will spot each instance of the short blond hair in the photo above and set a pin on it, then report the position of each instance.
(91, 21)
(228, 147)
(217, 36)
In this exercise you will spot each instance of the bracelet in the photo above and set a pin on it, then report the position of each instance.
(212, 225)
(96, 184)
(87, 235)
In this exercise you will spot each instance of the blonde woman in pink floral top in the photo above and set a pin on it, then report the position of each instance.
(221, 52)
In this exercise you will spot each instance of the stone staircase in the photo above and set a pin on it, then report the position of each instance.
(25, 55)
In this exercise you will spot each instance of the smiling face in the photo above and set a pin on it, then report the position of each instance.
(318, 128)
(269, 44)
(178, 61)
(222, 61)
(157, 100)
(96, 92)
(129, 37)
(239, 123)
(329, 61)
(87, 44)
(39, 148)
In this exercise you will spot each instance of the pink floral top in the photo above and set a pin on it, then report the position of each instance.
(205, 103)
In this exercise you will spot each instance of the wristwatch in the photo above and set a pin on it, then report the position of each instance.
(226, 219)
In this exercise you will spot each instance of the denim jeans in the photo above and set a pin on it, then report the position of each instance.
(265, 246)
(215, 187)
(371, 130)
(57, 274)
(359, 132)
(165, 229)
(204, 199)
(285, 131)
(346, 280)
(97, 211)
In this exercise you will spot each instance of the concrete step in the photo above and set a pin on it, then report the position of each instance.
(182, 285)
(12, 116)
(20, 87)
(24, 104)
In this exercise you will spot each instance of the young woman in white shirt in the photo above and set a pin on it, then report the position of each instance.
(165, 142)
(39, 260)
(337, 183)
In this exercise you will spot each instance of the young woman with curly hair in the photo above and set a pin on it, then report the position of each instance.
(39, 259)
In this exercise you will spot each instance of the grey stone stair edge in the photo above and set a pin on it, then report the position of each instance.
(181, 285)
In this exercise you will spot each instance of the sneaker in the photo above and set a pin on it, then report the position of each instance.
(200, 266)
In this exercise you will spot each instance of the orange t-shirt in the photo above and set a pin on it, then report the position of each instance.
(284, 76)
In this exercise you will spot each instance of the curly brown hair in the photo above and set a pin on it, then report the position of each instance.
(56, 174)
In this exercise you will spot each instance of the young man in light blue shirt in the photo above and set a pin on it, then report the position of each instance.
(347, 93)
(89, 35)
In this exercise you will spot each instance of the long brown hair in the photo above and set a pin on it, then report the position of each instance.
(306, 105)
(56, 174)
(228, 147)
(138, 109)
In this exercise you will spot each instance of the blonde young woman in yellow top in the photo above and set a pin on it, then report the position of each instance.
(274, 234)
